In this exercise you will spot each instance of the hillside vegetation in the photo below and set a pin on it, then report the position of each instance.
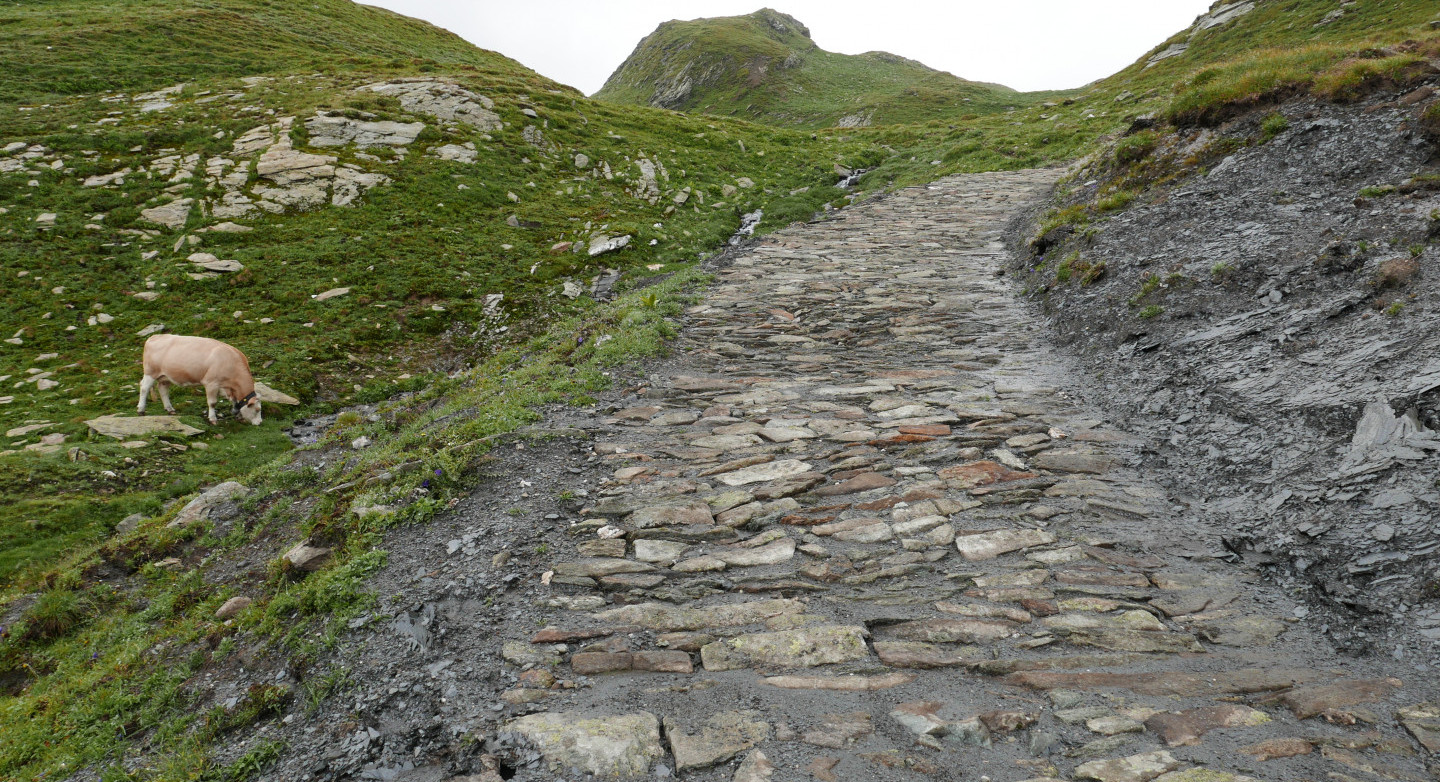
(764, 67)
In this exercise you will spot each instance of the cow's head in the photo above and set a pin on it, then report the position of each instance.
(248, 408)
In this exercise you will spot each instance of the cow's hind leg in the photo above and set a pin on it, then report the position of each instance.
(147, 385)
(164, 387)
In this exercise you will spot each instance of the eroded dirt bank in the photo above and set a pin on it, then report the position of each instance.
(1270, 317)
(867, 524)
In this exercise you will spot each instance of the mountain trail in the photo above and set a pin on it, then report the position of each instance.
(866, 524)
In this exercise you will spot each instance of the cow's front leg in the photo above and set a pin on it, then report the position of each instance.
(146, 384)
(210, 395)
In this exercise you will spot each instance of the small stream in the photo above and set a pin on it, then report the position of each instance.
(748, 222)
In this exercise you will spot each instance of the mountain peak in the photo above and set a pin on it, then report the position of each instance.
(764, 66)
(784, 24)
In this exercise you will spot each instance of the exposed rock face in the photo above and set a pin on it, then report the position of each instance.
(336, 131)
(442, 100)
(1331, 478)
(172, 215)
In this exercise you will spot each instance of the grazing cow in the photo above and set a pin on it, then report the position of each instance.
(171, 359)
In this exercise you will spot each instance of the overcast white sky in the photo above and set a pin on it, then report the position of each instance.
(1025, 44)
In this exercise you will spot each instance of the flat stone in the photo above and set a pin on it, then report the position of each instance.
(840, 683)
(1203, 775)
(1278, 748)
(1423, 722)
(1242, 631)
(659, 550)
(594, 663)
(673, 515)
(1129, 620)
(523, 653)
(981, 473)
(592, 567)
(768, 554)
(769, 471)
(916, 654)
(1172, 684)
(921, 718)
(984, 611)
(1149, 641)
(1113, 725)
(719, 738)
(786, 434)
(754, 768)
(1185, 728)
(1313, 700)
(666, 617)
(967, 631)
(863, 482)
(801, 648)
(726, 442)
(619, 746)
(988, 545)
(837, 731)
(1135, 768)
(1069, 461)
(125, 427)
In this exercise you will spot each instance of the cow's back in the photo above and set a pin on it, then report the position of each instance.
(190, 360)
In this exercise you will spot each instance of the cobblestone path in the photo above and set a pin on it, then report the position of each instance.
(868, 528)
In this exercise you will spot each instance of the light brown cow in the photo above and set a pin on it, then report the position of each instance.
(171, 359)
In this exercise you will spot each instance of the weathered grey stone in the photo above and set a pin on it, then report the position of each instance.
(269, 395)
(618, 746)
(1423, 722)
(172, 215)
(593, 567)
(205, 505)
(305, 557)
(1186, 727)
(802, 648)
(988, 545)
(672, 515)
(232, 607)
(769, 471)
(719, 738)
(339, 131)
(1135, 768)
(837, 731)
(754, 768)
(663, 616)
(126, 427)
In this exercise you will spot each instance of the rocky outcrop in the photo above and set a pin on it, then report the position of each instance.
(442, 100)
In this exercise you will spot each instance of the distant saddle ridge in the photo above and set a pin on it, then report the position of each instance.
(764, 67)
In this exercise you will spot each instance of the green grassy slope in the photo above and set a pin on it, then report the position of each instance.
(422, 255)
(64, 47)
(1280, 48)
(763, 66)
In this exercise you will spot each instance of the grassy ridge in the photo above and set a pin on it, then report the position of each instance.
(64, 47)
(747, 66)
